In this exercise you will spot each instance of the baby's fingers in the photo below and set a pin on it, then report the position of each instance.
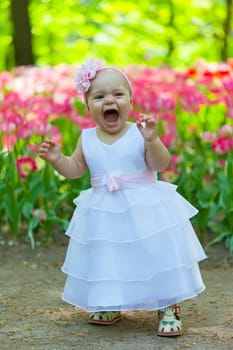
(43, 150)
(45, 146)
(148, 119)
(49, 143)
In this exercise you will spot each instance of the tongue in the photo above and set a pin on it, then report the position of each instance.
(111, 117)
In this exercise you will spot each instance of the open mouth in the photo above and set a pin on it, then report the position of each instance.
(111, 115)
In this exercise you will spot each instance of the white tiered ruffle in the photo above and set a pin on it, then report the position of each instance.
(132, 249)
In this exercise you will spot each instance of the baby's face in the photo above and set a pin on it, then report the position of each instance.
(109, 100)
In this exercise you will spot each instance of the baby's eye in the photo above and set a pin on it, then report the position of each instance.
(119, 94)
(98, 97)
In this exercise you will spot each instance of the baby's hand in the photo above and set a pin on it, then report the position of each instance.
(49, 151)
(147, 125)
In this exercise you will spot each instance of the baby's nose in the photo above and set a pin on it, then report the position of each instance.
(109, 99)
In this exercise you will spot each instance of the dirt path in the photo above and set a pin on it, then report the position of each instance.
(32, 315)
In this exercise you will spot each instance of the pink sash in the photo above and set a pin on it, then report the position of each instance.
(116, 182)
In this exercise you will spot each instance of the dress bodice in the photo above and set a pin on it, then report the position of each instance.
(126, 155)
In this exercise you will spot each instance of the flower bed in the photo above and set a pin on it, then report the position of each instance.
(195, 112)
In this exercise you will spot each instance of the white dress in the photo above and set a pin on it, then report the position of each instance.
(133, 248)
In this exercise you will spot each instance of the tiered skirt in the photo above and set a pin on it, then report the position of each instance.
(133, 249)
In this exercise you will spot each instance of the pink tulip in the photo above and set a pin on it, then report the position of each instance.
(169, 175)
(221, 163)
(223, 145)
(208, 136)
(25, 165)
(226, 130)
(175, 159)
(207, 179)
(33, 148)
(41, 214)
(8, 142)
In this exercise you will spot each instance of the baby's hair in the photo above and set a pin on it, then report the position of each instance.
(120, 71)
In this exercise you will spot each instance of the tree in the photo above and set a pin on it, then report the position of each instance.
(22, 37)
(226, 29)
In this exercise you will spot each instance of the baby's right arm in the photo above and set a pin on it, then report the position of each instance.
(71, 167)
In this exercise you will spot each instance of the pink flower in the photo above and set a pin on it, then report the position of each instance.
(5, 78)
(56, 135)
(169, 117)
(228, 83)
(165, 101)
(33, 148)
(8, 142)
(170, 135)
(86, 73)
(223, 145)
(229, 112)
(40, 212)
(208, 136)
(169, 175)
(175, 159)
(25, 165)
(221, 163)
(207, 180)
(226, 130)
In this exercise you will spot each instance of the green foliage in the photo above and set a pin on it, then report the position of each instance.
(121, 32)
(222, 223)
(35, 206)
(209, 187)
(6, 59)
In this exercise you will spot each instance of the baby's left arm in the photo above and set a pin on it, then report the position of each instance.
(156, 154)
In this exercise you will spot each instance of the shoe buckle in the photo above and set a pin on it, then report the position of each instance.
(176, 309)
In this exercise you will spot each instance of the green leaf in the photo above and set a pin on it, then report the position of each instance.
(221, 237)
(229, 168)
(27, 210)
(229, 242)
(12, 208)
(225, 199)
(57, 220)
(34, 191)
(31, 238)
(33, 223)
(80, 106)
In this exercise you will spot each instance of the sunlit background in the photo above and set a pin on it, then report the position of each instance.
(122, 32)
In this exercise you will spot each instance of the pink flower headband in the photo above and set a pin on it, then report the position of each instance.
(88, 71)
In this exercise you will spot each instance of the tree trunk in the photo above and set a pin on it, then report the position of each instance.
(226, 29)
(22, 38)
(171, 45)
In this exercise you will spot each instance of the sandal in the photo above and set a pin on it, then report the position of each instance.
(170, 324)
(104, 317)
